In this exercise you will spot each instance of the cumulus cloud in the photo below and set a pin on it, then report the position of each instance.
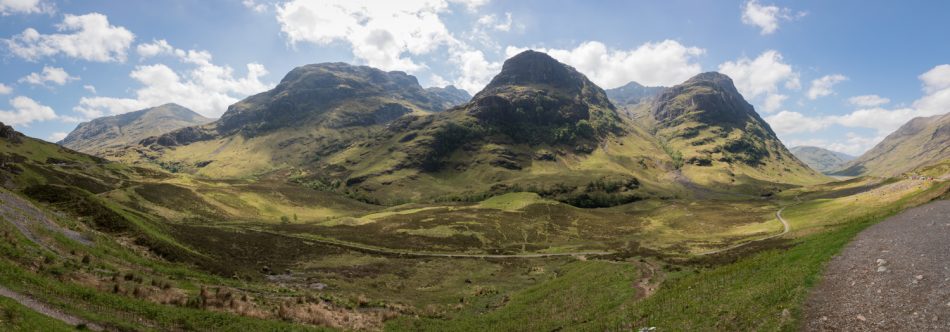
(491, 21)
(56, 136)
(824, 86)
(868, 100)
(8, 7)
(26, 111)
(5, 89)
(254, 5)
(766, 17)
(663, 63)
(205, 87)
(88, 37)
(89, 88)
(786, 122)
(54, 75)
(474, 70)
(762, 76)
(155, 48)
(384, 34)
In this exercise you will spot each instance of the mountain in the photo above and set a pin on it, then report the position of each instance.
(449, 96)
(632, 93)
(819, 159)
(315, 111)
(539, 125)
(103, 134)
(719, 139)
(921, 141)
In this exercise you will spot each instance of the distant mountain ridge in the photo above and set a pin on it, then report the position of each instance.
(921, 141)
(100, 135)
(820, 159)
(632, 93)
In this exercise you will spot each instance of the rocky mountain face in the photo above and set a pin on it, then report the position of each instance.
(99, 136)
(709, 129)
(819, 159)
(9, 134)
(633, 93)
(539, 125)
(449, 96)
(920, 142)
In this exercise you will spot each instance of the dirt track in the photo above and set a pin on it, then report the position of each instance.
(894, 276)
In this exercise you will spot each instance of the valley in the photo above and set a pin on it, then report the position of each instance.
(350, 198)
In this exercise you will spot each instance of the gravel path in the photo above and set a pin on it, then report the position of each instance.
(894, 276)
(44, 309)
(785, 229)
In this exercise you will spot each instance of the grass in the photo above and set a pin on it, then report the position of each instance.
(15, 317)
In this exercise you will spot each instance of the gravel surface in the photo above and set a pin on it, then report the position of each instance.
(44, 309)
(894, 276)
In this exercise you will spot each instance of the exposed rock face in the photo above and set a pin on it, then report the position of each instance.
(819, 159)
(537, 99)
(921, 141)
(633, 93)
(335, 94)
(449, 96)
(97, 136)
(709, 113)
(9, 134)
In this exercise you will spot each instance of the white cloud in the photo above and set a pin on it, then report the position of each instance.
(384, 34)
(824, 86)
(8, 7)
(89, 88)
(786, 122)
(205, 88)
(5, 89)
(773, 102)
(54, 75)
(868, 100)
(766, 17)
(762, 76)
(56, 136)
(26, 111)
(88, 37)
(255, 6)
(474, 71)
(937, 78)
(663, 63)
(491, 21)
(471, 5)
(155, 48)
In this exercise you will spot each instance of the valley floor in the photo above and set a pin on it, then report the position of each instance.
(893, 276)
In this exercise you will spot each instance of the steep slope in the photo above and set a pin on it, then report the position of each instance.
(316, 110)
(719, 139)
(449, 96)
(632, 93)
(101, 135)
(921, 141)
(819, 159)
(539, 125)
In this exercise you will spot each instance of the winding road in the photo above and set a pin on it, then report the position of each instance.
(785, 229)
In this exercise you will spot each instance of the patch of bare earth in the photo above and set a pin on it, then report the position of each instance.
(894, 276)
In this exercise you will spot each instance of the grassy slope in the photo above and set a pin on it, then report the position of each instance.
(751, 293)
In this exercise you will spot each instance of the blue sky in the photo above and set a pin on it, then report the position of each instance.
(837, 74)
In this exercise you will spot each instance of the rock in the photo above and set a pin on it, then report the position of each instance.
(919, 277)
(881, 269)
(881, 262)
(862, 318)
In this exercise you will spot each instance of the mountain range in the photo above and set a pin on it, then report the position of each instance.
(921, 141)
(820, 159)
(100, 136)
(539, 125)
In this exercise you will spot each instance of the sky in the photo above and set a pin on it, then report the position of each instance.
(835, 74)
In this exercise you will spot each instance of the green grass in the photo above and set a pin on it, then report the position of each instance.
(15, 317)
(582, 291)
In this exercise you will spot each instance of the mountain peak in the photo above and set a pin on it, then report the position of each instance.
(102, 134)
(536, 68)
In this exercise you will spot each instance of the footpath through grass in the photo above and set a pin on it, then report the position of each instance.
(761, 292)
